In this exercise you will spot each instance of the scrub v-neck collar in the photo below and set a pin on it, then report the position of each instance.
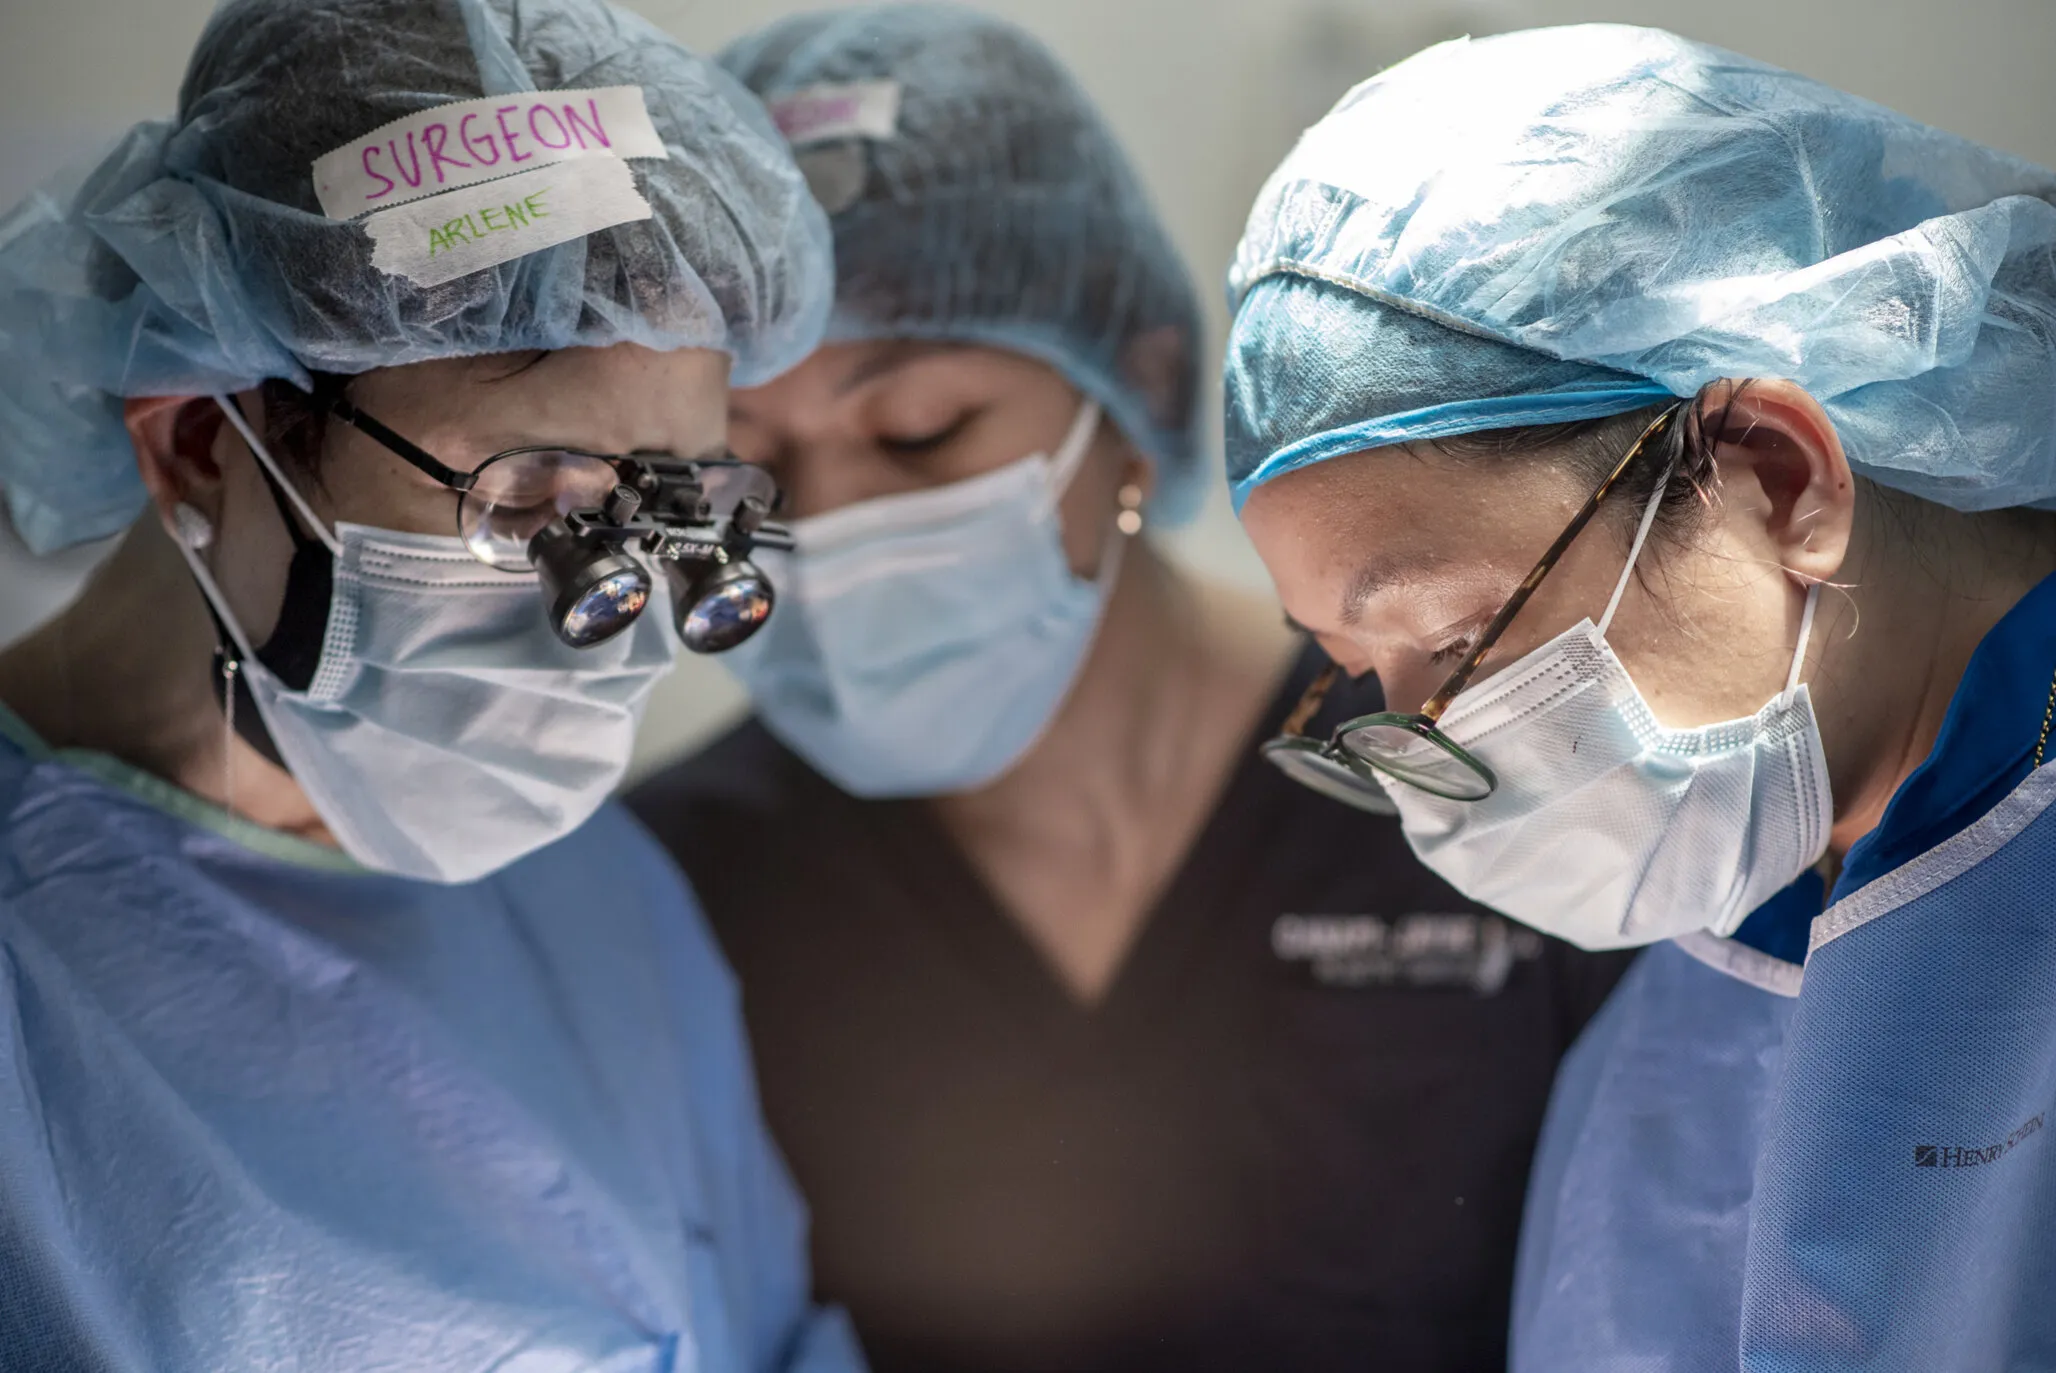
(960, 911)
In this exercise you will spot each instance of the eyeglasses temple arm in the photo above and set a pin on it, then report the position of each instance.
(343, 409)
(1432, 710)
(1310, 700)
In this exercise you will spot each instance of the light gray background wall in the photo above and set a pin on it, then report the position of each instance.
(1207, 94)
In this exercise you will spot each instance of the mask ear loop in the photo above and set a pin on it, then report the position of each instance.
(1070, 454)
(1620, 588)
(1805, 634)
(234, 413)
(192, 534)
(190, 525)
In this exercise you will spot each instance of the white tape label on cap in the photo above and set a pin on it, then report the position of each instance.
(447, 236)
(471, 141)
(861, 109)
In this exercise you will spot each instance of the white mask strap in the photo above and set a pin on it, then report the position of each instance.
(1620, 588)
(1635, 551)
(230, 667)
(212, 591)
(1110, 564)
(1805, 633)
(1070, 454)
(263, 455)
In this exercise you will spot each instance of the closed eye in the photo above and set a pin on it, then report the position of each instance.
(1333, 651)
(917, 445)
(1452, 652)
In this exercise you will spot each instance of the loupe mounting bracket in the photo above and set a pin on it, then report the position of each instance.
(665, 515)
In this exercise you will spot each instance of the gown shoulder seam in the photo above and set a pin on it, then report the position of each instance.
(1940, 865)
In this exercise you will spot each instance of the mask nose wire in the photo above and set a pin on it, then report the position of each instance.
(234, 413)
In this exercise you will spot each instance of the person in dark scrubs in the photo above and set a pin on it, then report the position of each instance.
(1093, 1041)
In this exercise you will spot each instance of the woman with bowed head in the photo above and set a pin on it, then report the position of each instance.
(1675, 439)
(345, 1026)
(1093, 1042)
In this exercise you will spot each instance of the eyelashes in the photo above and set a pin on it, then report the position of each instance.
(1453, 651)
(926, 443)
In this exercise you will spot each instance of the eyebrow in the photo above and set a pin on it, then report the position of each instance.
(890, 359)
(1378, 574)
(536, 357)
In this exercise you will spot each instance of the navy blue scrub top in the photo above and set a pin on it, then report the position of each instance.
(1293, 1136)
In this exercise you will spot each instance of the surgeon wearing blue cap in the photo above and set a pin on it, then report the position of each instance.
(345, 1026)
(1675, 439)
(1093, 1042)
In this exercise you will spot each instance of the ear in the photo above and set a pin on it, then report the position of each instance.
(1139, 472)
(1781, 465)
(1157, 363)
(175, 439)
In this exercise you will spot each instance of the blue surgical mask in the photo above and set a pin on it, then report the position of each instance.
(924, 641)
(446, 730)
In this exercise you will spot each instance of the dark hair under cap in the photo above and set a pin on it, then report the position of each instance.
(1000, 211)
(196, 257)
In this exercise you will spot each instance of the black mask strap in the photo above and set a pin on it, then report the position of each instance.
(293, 651)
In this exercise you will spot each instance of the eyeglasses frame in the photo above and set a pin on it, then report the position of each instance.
(626, 466)
(1425, 722)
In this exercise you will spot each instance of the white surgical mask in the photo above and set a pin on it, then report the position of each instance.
(446, 731)
(923, 641)
(1607, 828)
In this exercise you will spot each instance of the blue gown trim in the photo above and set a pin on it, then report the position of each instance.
(1985, 748)
(1984, 751)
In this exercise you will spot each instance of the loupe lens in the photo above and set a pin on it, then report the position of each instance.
(719, 609)
(594, 591)
(604, 609)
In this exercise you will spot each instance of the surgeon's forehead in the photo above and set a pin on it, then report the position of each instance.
(869, 361)
(1340, 535)
(859, 369)
(618, 399)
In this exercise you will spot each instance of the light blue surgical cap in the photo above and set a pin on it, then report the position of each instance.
(196, 257)
(993, 206)
(1572, 223)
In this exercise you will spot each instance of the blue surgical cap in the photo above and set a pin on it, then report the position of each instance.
(984, 200)
(196, 256)
(1571, 223)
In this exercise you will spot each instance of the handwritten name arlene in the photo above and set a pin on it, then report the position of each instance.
(492, 219)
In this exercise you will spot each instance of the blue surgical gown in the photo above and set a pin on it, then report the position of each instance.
(1830, 1143)
(259, 1110)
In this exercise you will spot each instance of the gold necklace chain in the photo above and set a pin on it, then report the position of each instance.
(2048, 715)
